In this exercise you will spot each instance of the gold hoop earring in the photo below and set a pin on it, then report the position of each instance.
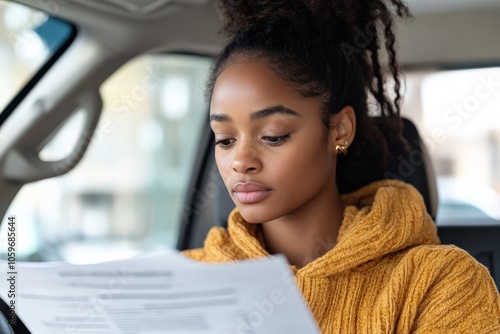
(342, 148)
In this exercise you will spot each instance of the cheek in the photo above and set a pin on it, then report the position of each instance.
(223, 163)
(295, 162)
(299, 164)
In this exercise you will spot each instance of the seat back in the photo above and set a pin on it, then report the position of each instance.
(415, 167)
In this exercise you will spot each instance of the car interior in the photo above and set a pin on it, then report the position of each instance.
(106, 150)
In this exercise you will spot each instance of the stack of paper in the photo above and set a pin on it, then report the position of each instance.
(160, 293)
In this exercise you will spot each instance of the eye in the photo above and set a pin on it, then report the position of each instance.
(275, 140)
(224, 143)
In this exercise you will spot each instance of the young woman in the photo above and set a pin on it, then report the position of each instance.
(303, 161)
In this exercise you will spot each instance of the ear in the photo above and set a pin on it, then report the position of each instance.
(343, 128)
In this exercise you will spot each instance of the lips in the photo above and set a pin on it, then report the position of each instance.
(250, 192)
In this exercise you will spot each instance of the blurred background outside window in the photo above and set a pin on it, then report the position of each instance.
(457, 114)
(28, 38)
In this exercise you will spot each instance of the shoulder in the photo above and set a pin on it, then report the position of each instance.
(442, 257)
(453, 289)
(445, 262)
(218, 247)
(197, 254)
(216, 238)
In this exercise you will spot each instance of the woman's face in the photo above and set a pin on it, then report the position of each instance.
(271, 148)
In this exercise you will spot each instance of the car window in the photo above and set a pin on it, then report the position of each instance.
(456, 112)
(125, 196)
(28, 39)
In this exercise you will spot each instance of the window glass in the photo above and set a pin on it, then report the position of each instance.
(457, 115)
(28, 38)
(125, 196)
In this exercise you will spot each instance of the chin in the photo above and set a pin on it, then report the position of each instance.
(257, 214)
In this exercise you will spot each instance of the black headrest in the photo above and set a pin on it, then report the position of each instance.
(414, 167)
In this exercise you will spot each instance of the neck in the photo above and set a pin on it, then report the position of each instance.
(307, 234)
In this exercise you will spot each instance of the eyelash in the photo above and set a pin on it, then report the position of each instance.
(223, 146)
(279, 140)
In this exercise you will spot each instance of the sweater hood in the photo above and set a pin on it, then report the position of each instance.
(380, 219)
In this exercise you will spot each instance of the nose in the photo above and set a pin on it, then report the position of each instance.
(246, 160)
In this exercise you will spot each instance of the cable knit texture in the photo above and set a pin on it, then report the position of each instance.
(387, 273)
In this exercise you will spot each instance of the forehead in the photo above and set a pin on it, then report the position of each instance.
(252, 82)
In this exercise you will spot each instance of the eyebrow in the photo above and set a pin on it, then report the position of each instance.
(259, 114)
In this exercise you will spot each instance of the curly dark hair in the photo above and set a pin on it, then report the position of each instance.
(328, 49)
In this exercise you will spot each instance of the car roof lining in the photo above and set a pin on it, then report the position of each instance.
(138, 9)
(443, 28)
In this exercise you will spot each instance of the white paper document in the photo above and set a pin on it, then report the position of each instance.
(159, 293)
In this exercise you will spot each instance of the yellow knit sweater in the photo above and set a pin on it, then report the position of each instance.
(385, 275)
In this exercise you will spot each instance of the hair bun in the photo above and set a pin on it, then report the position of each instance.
(239, 15)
